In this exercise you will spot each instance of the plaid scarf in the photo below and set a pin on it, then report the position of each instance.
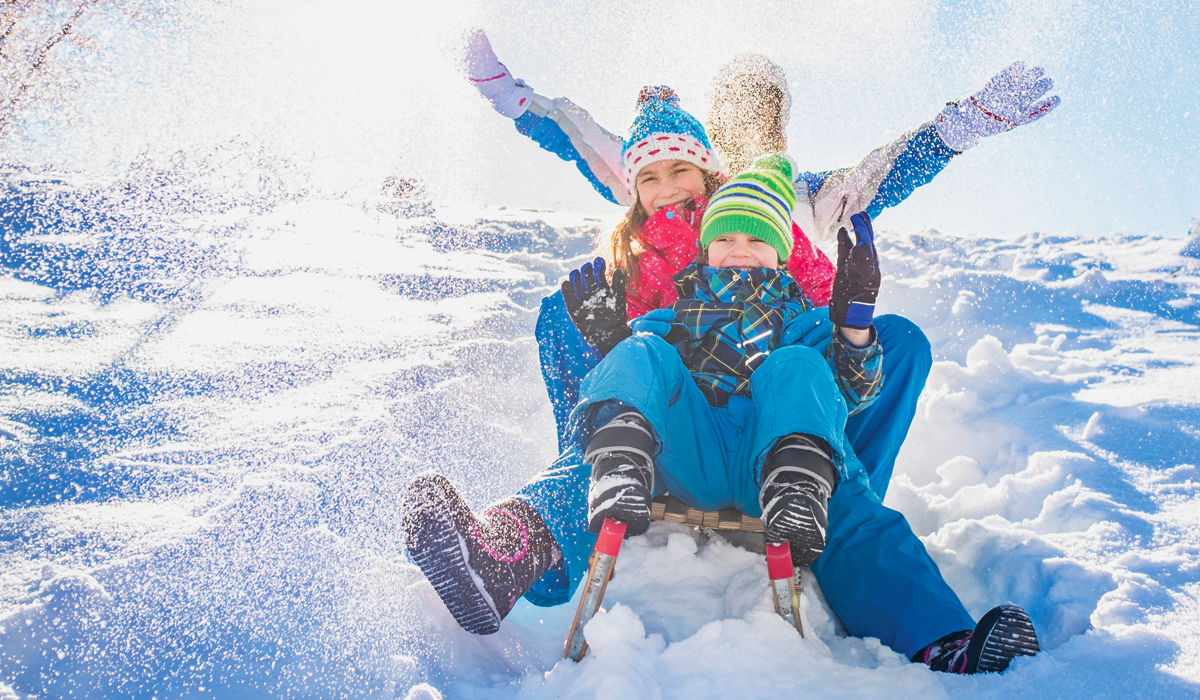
(734, 319)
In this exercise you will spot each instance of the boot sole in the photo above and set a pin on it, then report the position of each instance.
(1009, 634)
(441, 555)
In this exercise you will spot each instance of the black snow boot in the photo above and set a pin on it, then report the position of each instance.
(479, 565)
(1003, 634)
(621, 456)
(798, 479)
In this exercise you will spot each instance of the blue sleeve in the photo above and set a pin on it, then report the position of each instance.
(857, 371)
(566, 359)
(546, 133)
(925, 157)
(899, 167)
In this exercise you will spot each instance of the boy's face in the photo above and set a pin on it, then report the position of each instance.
(741, 251)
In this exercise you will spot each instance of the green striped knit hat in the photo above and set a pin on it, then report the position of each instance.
(757, 203)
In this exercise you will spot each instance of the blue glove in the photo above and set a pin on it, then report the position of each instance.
(811, 328)
(657, 322)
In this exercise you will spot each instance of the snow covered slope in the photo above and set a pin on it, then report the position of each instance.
(207, 413)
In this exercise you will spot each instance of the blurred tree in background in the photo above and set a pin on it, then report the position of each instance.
(47, 45)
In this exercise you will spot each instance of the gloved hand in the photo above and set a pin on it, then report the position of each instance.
(811, 328)
(657, 322)
(510, 97)
(857, 283)
(597, 308)
(1011, 98)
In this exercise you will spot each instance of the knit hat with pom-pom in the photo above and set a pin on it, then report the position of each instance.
(753, 69)
(758, 203)
(663, 131)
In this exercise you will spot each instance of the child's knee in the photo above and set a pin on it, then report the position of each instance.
(644, 347)
(796, 358)
(900, 336)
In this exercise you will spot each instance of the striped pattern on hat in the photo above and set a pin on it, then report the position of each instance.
(758, 203)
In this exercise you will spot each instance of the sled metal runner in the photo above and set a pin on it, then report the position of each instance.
(604, 557)
(786, 584)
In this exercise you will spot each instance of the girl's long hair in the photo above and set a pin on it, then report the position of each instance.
(622, 247)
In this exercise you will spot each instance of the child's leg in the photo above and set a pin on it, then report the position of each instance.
(878, 431)
(559, 496)
(789, 455)
(693, 440)
(793, 393)
(877, 576)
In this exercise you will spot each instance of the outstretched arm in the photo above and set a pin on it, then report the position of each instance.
(883, 179)
(890, 173)
(557, 125)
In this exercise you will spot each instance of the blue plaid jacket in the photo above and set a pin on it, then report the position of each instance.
(731, 320)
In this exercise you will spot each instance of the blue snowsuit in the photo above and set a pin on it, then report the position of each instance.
(724, 394)
(875, 573)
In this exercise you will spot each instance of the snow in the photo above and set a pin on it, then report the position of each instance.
(205, 423)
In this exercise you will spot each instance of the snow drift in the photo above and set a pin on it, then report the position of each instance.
(205, 423)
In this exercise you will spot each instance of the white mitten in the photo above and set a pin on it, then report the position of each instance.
(509, 96)
(1011, 98)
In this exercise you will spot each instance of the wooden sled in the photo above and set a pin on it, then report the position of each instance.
(740, 529)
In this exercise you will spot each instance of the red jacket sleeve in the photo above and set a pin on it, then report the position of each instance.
(811, 268)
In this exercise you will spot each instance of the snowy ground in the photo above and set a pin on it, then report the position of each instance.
(206, 414)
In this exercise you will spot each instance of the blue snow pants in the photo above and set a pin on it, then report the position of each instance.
(711, 457)
(874, 571)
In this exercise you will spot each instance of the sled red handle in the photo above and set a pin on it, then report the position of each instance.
(612, 533)
(604, 557)
(785, 584)
(779, 561)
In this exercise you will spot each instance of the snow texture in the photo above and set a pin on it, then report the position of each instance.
(206, 419)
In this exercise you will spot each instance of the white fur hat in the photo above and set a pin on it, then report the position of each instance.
(758, 66)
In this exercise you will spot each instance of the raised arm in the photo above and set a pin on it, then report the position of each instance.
(890, 173)
(557, 125)
(848, 339)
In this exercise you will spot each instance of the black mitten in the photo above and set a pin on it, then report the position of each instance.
(857, 283)
(597, 308)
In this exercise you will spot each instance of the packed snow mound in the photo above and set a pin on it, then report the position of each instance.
(205, 425)
(1191, 246)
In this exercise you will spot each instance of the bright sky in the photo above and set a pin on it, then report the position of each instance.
(367, 88)
(1122, 153)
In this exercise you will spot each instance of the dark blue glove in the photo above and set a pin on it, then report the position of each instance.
(597, 308)
(857, 283)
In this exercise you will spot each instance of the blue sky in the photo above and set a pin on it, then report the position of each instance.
(1122, 153)
(355, 90)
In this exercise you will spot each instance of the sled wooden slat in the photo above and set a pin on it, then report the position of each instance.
(669, 508)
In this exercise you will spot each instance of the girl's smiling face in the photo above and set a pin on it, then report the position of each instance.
(668, 182)
(741, 251)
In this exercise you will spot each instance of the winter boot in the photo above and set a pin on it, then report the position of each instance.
(798, 478)
(620, 454)
(1003, 634)
(479, 565)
